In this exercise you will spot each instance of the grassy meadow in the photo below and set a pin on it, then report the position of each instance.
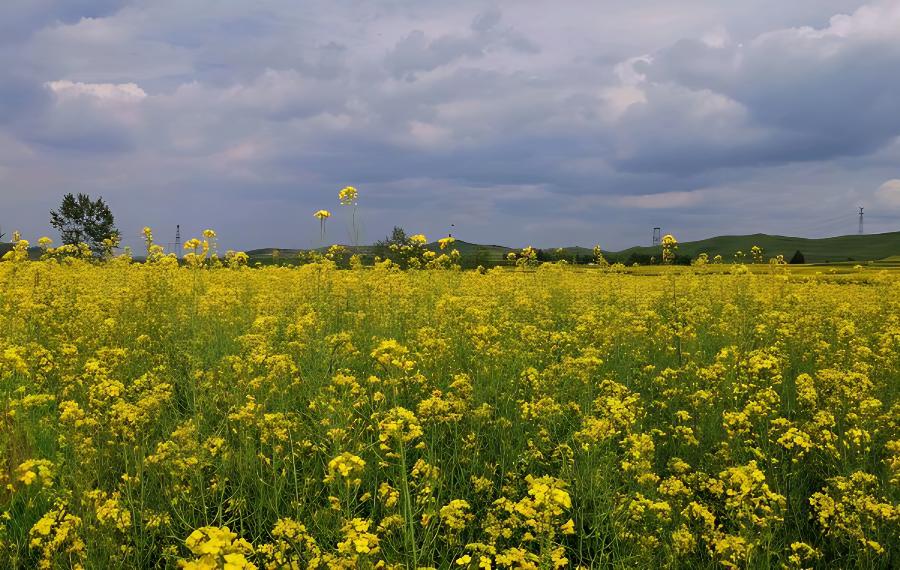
(213, 415)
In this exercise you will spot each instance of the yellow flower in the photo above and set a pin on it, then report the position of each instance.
(456, 515)
(109, 511)
(34, 470)
(347, 467)
(218, 547)
(348, 196)
(358, 539)
(57, 532)
(669, 246)
(399, 424)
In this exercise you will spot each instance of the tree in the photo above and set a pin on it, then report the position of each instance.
(798, 258)
(83, 220)
(398, 237)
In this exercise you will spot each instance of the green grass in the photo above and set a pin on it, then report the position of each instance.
(866, 247)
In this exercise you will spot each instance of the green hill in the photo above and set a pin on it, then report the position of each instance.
(866, 247)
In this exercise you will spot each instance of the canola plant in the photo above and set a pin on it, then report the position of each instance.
(206, 414)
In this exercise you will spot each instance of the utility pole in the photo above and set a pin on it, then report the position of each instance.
(860, 220)
(176, 246)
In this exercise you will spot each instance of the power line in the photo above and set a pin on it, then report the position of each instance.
(828, 222)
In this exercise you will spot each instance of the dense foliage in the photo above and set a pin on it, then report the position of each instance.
(81, 219)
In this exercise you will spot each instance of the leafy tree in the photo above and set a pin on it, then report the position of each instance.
(398, 237)
(798, 258)
(83, 220)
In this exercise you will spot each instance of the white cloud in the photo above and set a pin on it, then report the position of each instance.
(627, 71)
(116, 92)
(888, 194)
(718, 37)
(880, 18)
(428, 135)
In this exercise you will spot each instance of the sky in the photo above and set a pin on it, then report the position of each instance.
(518, 122)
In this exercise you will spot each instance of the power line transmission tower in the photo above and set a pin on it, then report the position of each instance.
(177, 240)
(656, 238)
(860, 220)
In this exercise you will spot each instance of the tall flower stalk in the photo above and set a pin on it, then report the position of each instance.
(669, 247)
(322, 215)
(349, 196)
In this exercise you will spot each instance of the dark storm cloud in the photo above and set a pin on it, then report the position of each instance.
(20, 18)
(812, 94)
(584, 123)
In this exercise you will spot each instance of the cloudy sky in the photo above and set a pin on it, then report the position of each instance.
(521, 121)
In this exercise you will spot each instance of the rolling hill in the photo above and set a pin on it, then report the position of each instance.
(865, 247)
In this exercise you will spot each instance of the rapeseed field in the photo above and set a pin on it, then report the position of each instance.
(212, 415)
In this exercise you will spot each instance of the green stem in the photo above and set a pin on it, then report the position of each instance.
(407, 508)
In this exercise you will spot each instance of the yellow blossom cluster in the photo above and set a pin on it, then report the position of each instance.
(346, 467)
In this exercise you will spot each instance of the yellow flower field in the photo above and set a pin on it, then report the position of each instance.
(157, 415)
